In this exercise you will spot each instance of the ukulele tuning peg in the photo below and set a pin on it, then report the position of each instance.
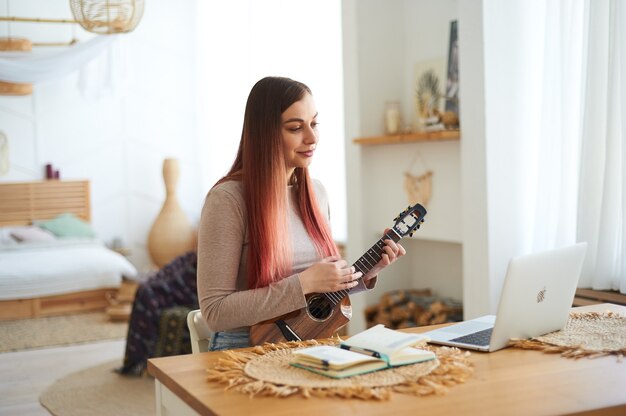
(411, 234)
(397, 218)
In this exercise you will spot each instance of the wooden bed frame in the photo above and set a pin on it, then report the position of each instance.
(21, 203)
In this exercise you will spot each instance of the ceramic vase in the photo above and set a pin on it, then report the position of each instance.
(172, 233)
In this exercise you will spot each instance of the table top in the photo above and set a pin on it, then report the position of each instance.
(510, 381)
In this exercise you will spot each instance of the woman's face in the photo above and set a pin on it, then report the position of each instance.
(299, 132)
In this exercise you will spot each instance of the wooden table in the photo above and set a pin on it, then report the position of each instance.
(507, 382)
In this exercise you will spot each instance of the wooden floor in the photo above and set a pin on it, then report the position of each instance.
(24, 375)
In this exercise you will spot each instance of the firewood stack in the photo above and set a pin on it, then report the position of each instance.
(413, 307)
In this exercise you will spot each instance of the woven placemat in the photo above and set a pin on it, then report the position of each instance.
(265, 371)
(588, 334)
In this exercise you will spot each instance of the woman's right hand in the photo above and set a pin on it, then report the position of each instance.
(332, 274)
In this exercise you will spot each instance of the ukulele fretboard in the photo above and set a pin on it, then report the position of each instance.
(365, 263)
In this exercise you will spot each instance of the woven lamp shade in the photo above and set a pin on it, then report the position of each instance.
(106, 17)
(15, 45)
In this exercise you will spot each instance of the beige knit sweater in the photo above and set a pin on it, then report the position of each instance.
(225, 300)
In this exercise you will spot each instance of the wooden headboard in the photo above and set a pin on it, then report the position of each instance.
(21, 203)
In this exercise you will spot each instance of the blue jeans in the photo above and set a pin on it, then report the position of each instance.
(229, 340)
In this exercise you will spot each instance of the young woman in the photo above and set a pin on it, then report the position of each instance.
(264, 240)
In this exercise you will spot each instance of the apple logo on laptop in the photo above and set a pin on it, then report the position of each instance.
(541, 295)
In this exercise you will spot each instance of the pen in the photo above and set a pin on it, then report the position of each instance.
(365, 351)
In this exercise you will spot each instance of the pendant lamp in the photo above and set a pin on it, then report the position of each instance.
(106, 17)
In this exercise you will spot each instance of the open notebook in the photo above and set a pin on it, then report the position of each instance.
(374, 349)
(536, 298)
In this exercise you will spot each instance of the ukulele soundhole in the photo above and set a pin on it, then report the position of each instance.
(319, 308)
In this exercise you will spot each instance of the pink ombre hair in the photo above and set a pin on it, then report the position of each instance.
(260, 166)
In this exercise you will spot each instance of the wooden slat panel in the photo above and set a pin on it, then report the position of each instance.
(24, 202)
(19, 221)
(89, 300)
(16, 309)
(12, 215)
(56, 305)
(12, 205)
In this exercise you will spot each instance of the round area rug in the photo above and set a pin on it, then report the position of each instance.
(59, 330)
(100, 391)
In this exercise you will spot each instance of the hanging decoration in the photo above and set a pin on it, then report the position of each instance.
(105, 17)
(18, 70)
(418, 187)
(102, 17)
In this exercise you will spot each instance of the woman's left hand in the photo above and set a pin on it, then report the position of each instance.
(391, 252)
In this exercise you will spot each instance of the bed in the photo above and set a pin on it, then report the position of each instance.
(58, 275)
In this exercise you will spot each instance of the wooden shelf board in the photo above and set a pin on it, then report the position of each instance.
(433, 136)
(601, 296)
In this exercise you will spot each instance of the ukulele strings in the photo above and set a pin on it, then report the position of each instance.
(362, 265)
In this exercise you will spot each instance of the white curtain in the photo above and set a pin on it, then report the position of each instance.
(40, 65)
(602, 198)
(580, 149)
(557, 143)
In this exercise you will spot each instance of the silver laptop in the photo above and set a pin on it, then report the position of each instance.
(536, 298)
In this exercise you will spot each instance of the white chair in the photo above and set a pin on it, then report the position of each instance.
(199, 332)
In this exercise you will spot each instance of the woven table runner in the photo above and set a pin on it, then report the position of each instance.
(265, 371)
(588, 334)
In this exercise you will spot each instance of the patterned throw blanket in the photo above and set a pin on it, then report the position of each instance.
(158, 325)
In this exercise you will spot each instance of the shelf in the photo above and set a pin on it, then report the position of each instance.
(433, 136)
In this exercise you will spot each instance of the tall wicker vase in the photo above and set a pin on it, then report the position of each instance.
(171, 234)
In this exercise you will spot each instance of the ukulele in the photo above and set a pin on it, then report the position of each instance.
(325, 313)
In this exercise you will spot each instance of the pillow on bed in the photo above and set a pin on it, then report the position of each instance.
(5, 236)
(68, 225)
(31, 233)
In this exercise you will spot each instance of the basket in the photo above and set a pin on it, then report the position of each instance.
(106, 17)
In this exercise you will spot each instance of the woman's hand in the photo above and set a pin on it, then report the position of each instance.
(332, 274)
(391, 252)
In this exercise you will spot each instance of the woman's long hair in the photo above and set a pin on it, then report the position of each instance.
(260, 166)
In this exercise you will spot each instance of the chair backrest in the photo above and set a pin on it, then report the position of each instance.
(199, 332)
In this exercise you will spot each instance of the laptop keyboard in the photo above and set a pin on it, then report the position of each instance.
(477, 338)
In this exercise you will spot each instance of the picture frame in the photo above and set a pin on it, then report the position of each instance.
(452, 82)
(435, 71)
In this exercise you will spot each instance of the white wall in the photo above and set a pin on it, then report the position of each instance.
(271, 38)
(475, 222)
(116, 138)
(476, 281)
(118, 141)
(477, 215)
(182, 83)
(383, 42)
(499, 194)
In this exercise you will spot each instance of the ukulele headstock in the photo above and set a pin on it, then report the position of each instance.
(409, 220)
